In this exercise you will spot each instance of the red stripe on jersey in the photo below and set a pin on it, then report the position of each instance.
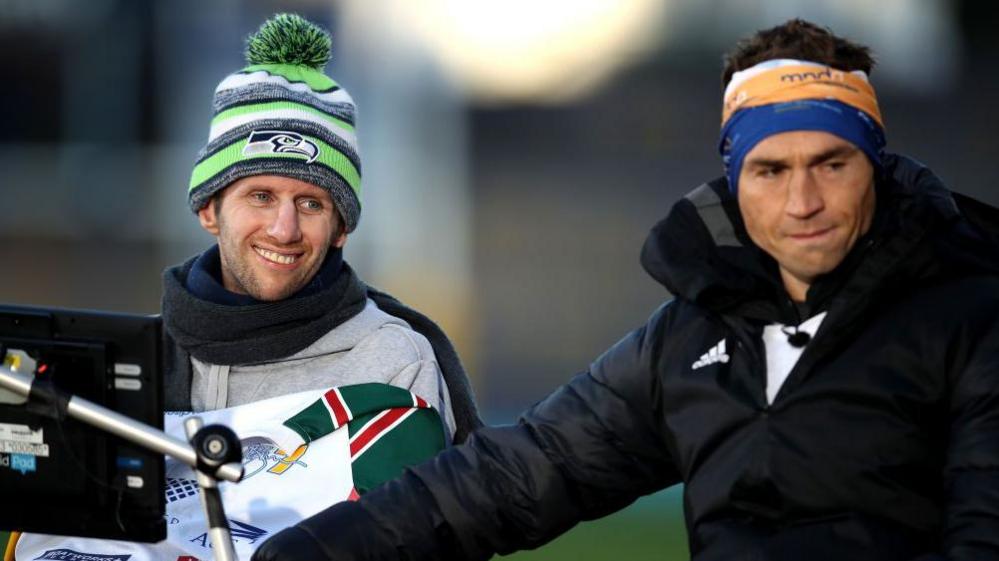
(376, 428)
(335, 400)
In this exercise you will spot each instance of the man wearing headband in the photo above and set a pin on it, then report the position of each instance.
(825, 381)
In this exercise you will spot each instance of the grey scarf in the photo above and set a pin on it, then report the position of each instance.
(254, 333)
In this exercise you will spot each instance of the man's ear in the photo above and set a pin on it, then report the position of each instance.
(340, 239)
(209, 218)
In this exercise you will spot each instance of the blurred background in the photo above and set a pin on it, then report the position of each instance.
(515, 154)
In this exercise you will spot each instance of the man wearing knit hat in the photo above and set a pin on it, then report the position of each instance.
(273, 308)
(824, 382)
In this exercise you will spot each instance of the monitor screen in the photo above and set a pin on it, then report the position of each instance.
(60, 476)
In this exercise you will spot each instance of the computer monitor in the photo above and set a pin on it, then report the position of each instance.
(60, 476)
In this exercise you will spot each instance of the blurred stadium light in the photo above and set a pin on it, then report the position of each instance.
(521, 50)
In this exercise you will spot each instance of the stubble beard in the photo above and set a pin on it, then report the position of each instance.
(237, 267)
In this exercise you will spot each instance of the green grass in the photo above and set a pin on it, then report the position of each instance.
(651, 529)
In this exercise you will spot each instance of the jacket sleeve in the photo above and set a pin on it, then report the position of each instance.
(590, 448)
(971, 472)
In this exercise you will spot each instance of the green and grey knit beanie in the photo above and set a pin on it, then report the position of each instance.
(282, 116)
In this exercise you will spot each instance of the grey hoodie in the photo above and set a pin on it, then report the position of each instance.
(372, 346)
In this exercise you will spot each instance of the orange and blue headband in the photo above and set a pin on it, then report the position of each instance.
(785, 95)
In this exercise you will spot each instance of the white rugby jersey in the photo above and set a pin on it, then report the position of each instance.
(301, 453)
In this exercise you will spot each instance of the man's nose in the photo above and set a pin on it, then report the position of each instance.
(804, 197)
(285, 228)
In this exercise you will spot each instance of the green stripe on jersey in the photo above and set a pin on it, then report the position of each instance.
(295, 73)
(311, 423)
(275, 106)
(233, 154)
(417, 439)
(365, 401)
(362, 398)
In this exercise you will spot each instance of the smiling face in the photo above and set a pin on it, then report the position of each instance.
(273, 234)
(806, 197)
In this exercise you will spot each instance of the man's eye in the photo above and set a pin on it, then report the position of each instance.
(313, 205)
(835, 166)
(768, 172)
(260, 197)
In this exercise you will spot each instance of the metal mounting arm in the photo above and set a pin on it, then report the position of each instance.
(213, 451)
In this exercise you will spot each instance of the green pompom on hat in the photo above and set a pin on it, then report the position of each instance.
(289, 39)
(281, 115)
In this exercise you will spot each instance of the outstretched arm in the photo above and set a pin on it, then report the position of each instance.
(590, 448)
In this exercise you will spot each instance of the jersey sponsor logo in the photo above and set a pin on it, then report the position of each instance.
(285, 461)
(244, 531)
(70, 555)
(281, 142)
(178, 488)
(714, 355)
(240, 531)
(266, 456)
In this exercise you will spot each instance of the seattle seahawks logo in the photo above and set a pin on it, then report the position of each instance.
(280, 142)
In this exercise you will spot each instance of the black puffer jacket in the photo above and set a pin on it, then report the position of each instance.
(883, 443)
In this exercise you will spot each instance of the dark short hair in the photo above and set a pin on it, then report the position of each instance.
(797, 39)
